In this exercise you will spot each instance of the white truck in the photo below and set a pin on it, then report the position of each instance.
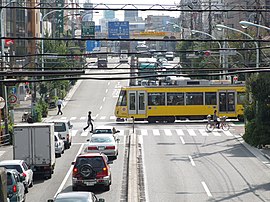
(34, 143)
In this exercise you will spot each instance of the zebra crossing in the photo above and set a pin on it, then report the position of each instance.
(165, 132)
(84, 118)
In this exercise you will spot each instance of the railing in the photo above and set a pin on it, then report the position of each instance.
(5, 140)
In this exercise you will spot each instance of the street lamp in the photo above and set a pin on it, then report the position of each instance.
(246, 24)
(220, 26)
(42, 36)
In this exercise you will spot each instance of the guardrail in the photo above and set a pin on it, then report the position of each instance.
(5, 140)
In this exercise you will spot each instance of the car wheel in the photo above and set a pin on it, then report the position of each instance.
(63, 151)
(74, 188)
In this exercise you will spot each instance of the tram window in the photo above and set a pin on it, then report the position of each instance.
(210, 98)
(156, 99)
(122, 99)
(194, 98)
(132, 101)
(241, 98)
(175, 99)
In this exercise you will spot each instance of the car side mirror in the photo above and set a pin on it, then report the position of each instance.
(101, 200)
(109, 162)
(72, 163)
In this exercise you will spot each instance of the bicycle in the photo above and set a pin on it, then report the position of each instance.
(211, 125)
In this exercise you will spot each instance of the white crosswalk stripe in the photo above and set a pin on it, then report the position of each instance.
(85, 133)
(102, 117)
(112, 117)
(180, 132)
(73, 118)
(203, 132)
(2, 152)
(63, 118)
(168, 132)
(156, 132)
(83, 118)
(191, 132)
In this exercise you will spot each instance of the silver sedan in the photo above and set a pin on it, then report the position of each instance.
(104, 143)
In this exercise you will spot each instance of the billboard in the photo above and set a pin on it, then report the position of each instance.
(118, 30)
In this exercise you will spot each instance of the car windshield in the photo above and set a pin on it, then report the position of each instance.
(16, 167)
(59, 127)
(71, 199)
(97, 131)
(95, 162)
(101, 139)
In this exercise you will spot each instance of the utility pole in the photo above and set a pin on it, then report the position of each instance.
(210, 18)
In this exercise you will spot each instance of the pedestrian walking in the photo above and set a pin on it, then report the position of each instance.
(89, 122)
(59, 105)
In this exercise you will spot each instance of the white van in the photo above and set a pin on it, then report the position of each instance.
(64, 128)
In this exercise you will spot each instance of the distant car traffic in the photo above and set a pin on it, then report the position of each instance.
(64, 128)
(15, 187)
(91, 169)
(102, 62)
(79, 196)
(169, 56)
(22, 168)
(59, 144)
(104, 143)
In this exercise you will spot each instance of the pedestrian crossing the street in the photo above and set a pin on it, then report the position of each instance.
(163, 132)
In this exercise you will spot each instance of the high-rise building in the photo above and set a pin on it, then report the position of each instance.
(131, 16)
(109, 14)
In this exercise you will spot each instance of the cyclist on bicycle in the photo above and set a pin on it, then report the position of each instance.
(215, 118)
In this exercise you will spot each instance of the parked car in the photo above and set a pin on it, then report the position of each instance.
(22, 168)
(91, 169)
(15, 187)
(59, 144)
(104, 143)
(64, 128)
(106, 130)
(79, 196)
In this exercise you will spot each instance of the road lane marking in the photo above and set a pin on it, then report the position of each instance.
(68, 173)
(156, 132)
(107, 90)
(63, 118)
(102, 117)
(180, 132)
(182, 140)
(112, 117)
(191, 161)
(100, 107)
(215, 133)
(109, 83)
(104, 99)
(206, 189)
(191, 132)
(83, 118)
(168, 132)
(73, 118)
(203, 132)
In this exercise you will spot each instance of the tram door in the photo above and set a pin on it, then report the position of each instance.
(137, 102)
(227, 101)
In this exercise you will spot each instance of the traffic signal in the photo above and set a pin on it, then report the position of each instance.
(203, 53)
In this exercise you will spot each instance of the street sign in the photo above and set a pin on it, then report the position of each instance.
(90, 45)
(98, 28)
(2, 103)
(60, 16)
(12, 99)
(88, 29)
(118, 30)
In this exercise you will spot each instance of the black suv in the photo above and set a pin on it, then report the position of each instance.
(91, 169)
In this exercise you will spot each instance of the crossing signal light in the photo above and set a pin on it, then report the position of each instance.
(203, 53)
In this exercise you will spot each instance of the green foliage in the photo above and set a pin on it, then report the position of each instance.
(41, 110)
(257, 111)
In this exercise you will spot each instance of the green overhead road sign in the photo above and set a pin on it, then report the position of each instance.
(88, 29)
(60, 16)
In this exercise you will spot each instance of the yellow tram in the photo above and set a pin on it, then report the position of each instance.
(194, 100)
